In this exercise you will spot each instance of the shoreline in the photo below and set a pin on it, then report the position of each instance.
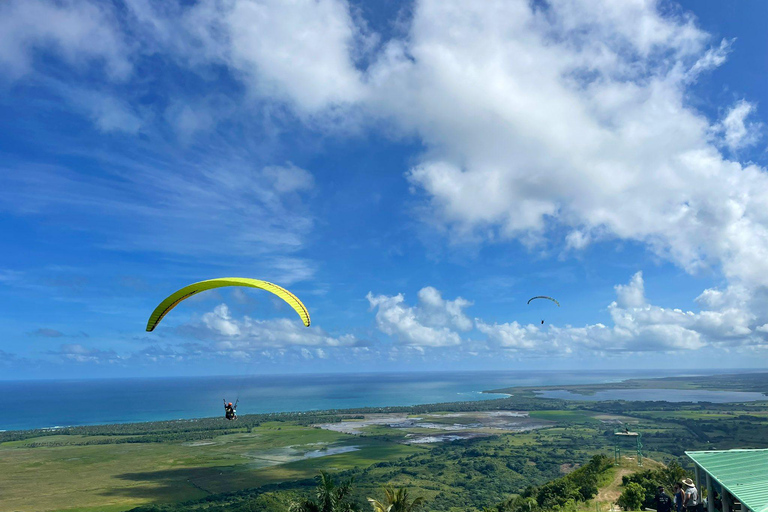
(735, 381)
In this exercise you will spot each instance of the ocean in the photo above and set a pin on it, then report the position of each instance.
(56, 403)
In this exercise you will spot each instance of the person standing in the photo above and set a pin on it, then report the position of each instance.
(691, 497)
(678, 497)
(663, 502)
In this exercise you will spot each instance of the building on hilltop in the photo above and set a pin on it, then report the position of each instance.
(740, 478)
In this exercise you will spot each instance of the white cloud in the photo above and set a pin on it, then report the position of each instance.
(724, 321)
(631, 295)
(81, 354)
(298, 51)
(737, 133)
(571, 115)
(432, 323)
(440, 312)
(200, 205)
(79, 31)
(253, 336)
(712, 58)
(189, 120)
(516, 336)
(288, 178)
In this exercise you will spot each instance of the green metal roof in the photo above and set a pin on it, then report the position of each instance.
(744, 473)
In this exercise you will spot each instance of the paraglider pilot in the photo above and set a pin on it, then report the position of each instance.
(230, 411)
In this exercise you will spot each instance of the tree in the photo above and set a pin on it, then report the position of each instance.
(330, 497)
(672, 474)
(632, 497)
(396, 501)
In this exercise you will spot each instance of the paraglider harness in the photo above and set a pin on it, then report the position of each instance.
(230, 411)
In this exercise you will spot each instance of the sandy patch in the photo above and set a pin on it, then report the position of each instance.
(476, 424)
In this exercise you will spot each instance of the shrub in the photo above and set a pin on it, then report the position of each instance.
(632, 497)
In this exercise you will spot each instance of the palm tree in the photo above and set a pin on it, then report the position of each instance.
(330, 497)
(396, 501)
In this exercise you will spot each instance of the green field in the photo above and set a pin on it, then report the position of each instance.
(92, 477)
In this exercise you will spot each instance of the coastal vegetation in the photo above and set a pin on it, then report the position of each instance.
(516, 454)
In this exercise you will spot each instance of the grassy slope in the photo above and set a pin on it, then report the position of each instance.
(120, 476)
(611, 488)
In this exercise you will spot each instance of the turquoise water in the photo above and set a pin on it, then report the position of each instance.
(40, 404)
(667, 395)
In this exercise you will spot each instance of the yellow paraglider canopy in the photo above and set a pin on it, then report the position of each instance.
(173, 300)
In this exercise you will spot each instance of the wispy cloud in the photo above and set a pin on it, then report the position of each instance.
(202, 207)
(81, 32)
(47, 332)
(82, 354)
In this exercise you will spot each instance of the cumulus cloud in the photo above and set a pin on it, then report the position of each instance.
(725, 320)
(440, 312)
(433, 322)
(631, 295)
(229, 335)
(296, 51)
(572, 115)
(514, 336)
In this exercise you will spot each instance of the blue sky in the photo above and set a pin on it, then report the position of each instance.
(414, 172)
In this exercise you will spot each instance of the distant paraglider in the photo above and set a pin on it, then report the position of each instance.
(543, 297)
(174, 299)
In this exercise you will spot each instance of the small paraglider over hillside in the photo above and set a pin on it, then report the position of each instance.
(546, 298)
